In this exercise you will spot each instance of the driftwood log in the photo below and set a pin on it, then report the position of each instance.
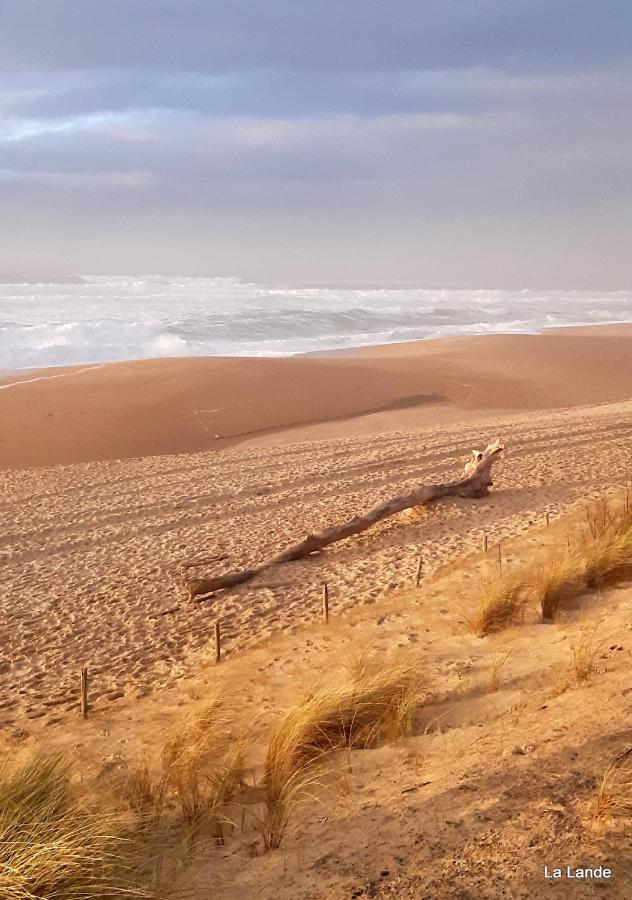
(475, 481)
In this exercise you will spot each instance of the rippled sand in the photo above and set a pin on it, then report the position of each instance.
(90, 553)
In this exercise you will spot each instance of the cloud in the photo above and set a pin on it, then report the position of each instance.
(215, 36)
(512, 113)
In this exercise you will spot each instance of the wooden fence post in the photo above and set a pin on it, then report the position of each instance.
(548, 516)
(419, 570)
(500, 557)
(485, 543)
(325, 602)
(84, 692)
(218, 642)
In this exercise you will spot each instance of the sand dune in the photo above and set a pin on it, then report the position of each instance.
(170, 406)
(92, 553)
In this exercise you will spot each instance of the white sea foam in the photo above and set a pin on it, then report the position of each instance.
(100, 319)
(20, 381)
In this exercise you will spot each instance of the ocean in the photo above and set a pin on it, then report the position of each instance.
(96, 319)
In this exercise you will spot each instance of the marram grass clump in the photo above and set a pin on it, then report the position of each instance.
(50, 847)
(199, 770)
(557, 578)
(606, 541)
(501, 603)
(376, 705)
(608, 558)
(613, 799)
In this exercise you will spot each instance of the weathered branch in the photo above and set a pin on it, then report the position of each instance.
(475, 481)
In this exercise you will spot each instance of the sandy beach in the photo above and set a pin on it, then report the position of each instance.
(113, 476)
(170, 406)
(92, 551)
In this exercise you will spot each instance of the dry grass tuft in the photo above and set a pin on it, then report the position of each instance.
(584, 652)
(358, 713)
(295, 790)
(357, 661)
(614, 795)
(555, 580)
(603, 554)
(497, 667)
(145, 793)
(200, 770)
(202, 763)
(598, 518)
(501, 603)
(608, 558)
(49, 846)
(607, 541)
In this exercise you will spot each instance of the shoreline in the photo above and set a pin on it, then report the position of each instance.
(178, 405)
(356, 349)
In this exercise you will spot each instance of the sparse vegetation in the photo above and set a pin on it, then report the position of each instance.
(200, 769)
(375, 705)
(602, 555)
(598, 518)
(614, 795)
(501, 603)
(607, 541)
(196, 780)
(609, 557)
(584, 653)
(280, 804)
(50, 847)
(556, 579)
(497, 667)
(145, 794)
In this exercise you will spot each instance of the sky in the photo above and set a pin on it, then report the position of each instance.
(437, 142)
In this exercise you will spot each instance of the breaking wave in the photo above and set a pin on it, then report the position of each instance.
(101, 319)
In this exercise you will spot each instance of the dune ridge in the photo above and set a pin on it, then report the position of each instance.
(175, 406)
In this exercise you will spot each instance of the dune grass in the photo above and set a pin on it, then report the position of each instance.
(555, 579)
(608, 558)
(497, 668)
(598, 518)
(145, 793)
(614, 794)
(602, 555)
(606, 541)
(50, 847)
(294, 789)
(201, 763)
(199, 770)
(376, 704)
(584, 652)
(501, 603)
